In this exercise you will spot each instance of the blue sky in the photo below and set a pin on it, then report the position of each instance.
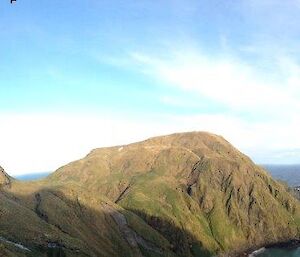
(75, 75)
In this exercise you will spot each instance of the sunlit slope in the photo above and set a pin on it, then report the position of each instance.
(4, 178)
(72, 220)
(215, 198)
(189, 194)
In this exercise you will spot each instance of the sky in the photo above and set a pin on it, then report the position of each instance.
(77, 75)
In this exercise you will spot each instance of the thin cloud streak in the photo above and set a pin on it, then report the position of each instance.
(226, 80)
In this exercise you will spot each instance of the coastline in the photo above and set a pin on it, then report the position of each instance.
(253, 252)
(293, 243)
(257, 252)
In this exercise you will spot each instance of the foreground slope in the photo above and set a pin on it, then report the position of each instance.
(189, 194)
(68, 221)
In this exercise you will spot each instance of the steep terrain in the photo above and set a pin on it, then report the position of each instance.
(4, 178)
(189, 194)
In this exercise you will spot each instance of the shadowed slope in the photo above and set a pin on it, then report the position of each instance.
(188, 194)
(198, 182)
(64, 221)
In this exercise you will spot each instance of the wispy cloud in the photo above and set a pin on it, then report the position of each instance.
(272, 99)
(231, 67)
(227, 80)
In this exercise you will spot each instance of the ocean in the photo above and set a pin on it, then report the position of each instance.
(288, 173)
(277, 252)
(32, 176)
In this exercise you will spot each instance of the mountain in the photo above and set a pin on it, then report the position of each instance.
(181, 195)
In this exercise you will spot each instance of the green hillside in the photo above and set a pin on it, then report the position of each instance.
(182, 195)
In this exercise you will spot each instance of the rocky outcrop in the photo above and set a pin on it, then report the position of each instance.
(133, 239)
(4, 178)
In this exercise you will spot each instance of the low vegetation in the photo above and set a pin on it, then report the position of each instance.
(182, 195)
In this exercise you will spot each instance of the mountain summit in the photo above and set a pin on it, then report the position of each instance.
(186, 194)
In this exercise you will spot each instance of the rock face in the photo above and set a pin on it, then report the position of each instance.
(189, 194)
(4, 178)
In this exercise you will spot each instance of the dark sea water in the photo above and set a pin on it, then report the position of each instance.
(276, 252)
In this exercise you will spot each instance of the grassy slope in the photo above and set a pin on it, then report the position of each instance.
(71, 216)
(190, 194)
(232, 202)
